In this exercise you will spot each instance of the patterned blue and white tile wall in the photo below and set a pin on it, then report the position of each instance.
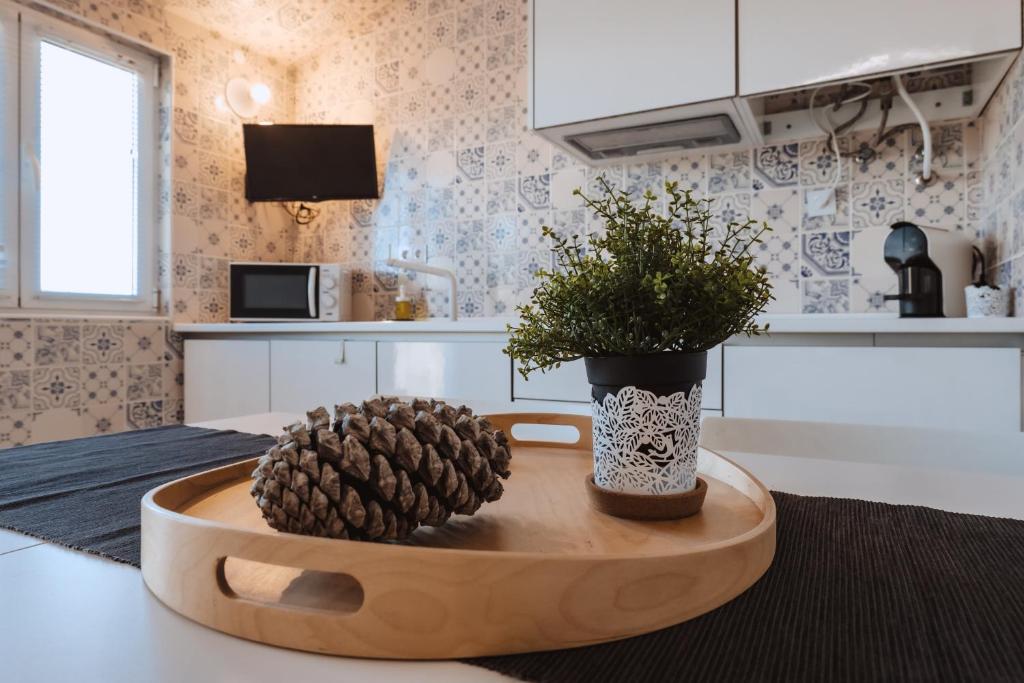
(1000, 200)
(63, 378)
(467, 186)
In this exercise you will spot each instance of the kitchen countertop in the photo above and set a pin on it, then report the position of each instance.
(434, 325)
(778, 324)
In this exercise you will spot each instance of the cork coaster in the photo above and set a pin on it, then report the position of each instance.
(641, 506)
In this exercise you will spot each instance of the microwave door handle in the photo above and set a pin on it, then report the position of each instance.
(311, 292)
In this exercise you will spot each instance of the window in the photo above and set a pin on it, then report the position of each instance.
(77, 209)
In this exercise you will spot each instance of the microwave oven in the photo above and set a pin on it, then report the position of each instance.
(260, 291)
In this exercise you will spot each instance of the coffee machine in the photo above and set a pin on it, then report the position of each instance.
(933, 266)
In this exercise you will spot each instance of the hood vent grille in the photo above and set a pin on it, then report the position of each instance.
(705, 131)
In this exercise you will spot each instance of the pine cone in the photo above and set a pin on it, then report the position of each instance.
(378, 470)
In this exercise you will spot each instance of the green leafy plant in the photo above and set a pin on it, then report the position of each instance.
(653, 281)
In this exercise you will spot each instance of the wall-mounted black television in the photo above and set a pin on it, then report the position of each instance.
(309, 163)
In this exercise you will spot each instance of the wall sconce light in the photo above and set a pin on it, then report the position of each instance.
(245, 98)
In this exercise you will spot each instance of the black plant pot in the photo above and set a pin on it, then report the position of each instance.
(646, 413)
(660, 373)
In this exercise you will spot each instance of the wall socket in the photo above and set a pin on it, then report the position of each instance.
(820, 202)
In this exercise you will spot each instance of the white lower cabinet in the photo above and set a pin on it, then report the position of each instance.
(569, 383)
(306, 373)
(565, 383)
(947, 388)
(712, 396)
(226, 378)
(470, 371)
(942, 387)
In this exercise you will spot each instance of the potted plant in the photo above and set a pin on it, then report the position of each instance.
(642, 301)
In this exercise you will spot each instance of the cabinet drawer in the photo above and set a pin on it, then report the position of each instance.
(712, 398)
(470, 371)
(226, 378)
(566, 383)
(950, 388)
(306, 373)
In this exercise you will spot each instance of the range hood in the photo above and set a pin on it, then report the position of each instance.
(720, 125)
(656, 138)
(957, 90)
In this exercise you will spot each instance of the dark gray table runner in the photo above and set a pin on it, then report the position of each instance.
(85, 493)
(858, 591)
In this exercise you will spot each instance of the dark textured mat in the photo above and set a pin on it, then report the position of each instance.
(858, 591)
(85, 493)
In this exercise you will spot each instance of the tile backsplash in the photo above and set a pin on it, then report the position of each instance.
(63, 378)
(467, 186)
(1001, 193)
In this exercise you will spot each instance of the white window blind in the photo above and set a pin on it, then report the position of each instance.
(8, 156)
(84, 216)
(88, 171)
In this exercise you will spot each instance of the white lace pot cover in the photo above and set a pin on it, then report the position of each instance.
(987, 302)
(644, 443)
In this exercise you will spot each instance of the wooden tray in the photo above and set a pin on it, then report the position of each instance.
(537, 570)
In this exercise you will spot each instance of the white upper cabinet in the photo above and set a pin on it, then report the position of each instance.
(797, 43)
(596, 60)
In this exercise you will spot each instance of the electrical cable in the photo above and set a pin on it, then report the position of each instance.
(885, 105)
(301, 213)
(882, 134)
(830, 129)
(926, 131)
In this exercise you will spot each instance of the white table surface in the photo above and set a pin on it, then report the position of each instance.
(71, 616)
(66, 615)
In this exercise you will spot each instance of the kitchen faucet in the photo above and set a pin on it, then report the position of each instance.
(453, 310)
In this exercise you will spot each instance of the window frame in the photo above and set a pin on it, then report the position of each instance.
(9, 161)
(36, 28)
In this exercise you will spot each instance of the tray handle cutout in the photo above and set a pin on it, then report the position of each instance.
(287, 587)
(550, 430)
